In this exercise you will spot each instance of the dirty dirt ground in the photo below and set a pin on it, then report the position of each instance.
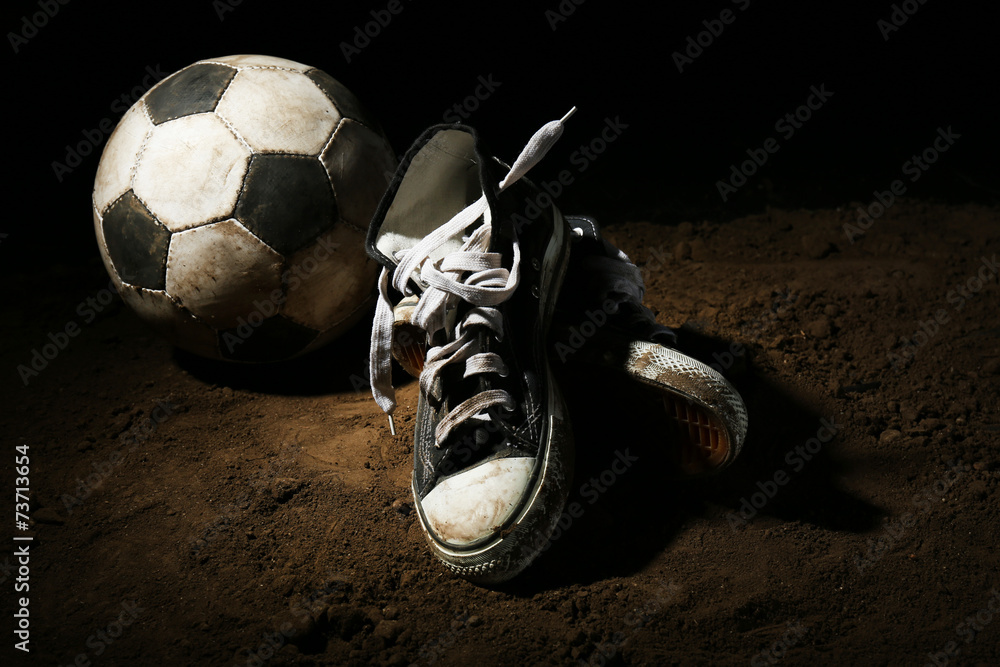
(192, 513)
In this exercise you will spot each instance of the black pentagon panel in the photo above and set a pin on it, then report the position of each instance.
(286, 201)
(345, 101)
(275, 339)
(137, 243)
(196, 89)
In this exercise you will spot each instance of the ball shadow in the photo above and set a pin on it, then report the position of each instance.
(339, 366)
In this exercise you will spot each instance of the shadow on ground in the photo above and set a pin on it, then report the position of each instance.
(339, 366)
(631, 504)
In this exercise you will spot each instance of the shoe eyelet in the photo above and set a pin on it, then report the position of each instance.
(535, 264)
(535, 291)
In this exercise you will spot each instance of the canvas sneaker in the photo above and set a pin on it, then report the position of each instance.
(468, 290)
(601, 320)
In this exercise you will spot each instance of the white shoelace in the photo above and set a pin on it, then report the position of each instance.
(471, 274)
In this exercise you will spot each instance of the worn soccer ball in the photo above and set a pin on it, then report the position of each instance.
(231, 205)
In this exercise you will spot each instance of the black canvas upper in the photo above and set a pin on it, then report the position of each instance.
(522, 431)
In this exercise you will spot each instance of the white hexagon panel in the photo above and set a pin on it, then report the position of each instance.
(196, 155)
(213, 269)
(257, 96)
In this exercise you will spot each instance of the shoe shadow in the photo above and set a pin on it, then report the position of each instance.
(629, 508)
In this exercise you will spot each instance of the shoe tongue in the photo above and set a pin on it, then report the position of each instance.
(440, 180)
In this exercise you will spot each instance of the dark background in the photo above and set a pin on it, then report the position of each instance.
(609, 59)
(684, 131)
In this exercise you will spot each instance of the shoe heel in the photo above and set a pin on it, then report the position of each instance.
(702, 444)
(706, 418)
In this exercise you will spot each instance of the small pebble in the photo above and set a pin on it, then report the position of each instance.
(388, 630)
(403, 507)
(889, 435)
(819, 328)
(931, 424)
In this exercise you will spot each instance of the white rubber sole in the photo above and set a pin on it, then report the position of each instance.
(706, 416)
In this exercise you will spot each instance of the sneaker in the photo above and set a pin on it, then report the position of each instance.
(471, 285)
(602, 320)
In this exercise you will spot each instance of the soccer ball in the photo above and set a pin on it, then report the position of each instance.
(231, 205)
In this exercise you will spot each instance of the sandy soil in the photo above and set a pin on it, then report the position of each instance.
(187, 512)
